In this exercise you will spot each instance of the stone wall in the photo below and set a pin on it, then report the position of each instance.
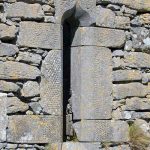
(110, 74)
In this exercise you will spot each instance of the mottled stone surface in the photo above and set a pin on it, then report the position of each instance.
(17, 71)
(30, 89)
(91, 82)
(7, 32)
(129, 90)
(119, 147)
(51, 83)
(24, 10)
(8, 86)
(137, 60)
(3, 117)
(8, 49)
(15, 105)
(127, 75)
(99, 37)
(101, 130)
(34, 129)
(40, 35)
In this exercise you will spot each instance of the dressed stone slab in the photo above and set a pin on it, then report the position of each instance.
(34, 129)
(40, 35)
(91, 82)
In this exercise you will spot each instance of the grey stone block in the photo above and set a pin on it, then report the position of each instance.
(16, 105)
(8, 86)
(40, 35)
(101, 131)
(91, 82)
(94, 36)
(34, 129)
(127, 75)
(137, 60)
(18, 71)
(129, 90)
(51, 83)
(119, 147)
(8, 49)
(24, 10)
(80, 146)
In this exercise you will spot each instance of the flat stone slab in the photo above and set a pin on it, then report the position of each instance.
(18, 71)
(34, 129)
(40, 35)
(91, 82)
(51, 83)
(94, 36)
(101, 131)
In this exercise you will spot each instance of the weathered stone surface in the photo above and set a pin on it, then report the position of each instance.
(91, 82)
(51, 83)
(18, 71)
(119, 147)
(127, 75)
(99, 37)
(24, 10)
(144, 18)
(36, 108)
(7, 32)
(140, 5)
(80, 146)
(30, 58)
(8, 86)
(34, 129)
(137, 104)
(30, 89)
(101, 131)
(129, 90)
(40, 35)
(3, 118)
(107, 18)
(137, 60)
(8, 49)
(16, 105)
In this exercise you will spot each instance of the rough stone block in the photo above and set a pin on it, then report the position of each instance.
(101, 131)
(18, 71)
(40, 35)
(8, 49)
(3, 117)
(127, 75)
(8, 86)
(34, 129)
(24, 10)
(129, 90)
(94, 36)
(122, 22)
(137, 60)
(91, 82)
(51, 83)
(80, 146)
(7, 32)
(119, 147)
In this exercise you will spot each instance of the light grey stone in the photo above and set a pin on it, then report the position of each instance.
(118, 53)
(34, 129)
(91, 82)
(35, 106)
(80, 146)
(127, 75)
(141, 115)
(8, 86)
(128, 45)
(3, 117)
(15, 105)
(129, 90)
(11, 146)
(30, 58)
(24, 10)
(7, 32)
(137, 60)
(122, 22)
(99, 37)
(117, 62)
(101, 131)
(51, 83)
(18, 71)
(8, 49)
(30, 89)
(40, 35)
(119, 147)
